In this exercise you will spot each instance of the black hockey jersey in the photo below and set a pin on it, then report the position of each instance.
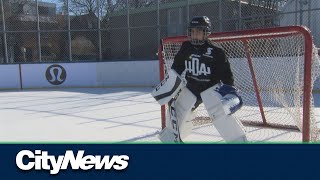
(205, 66)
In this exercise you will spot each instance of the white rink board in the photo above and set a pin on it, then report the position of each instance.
(95, 74)
(317, 84)
(101, 115)
(126, 73)
(10, 77)
(78, 74)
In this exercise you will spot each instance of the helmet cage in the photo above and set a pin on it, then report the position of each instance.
(206, 33)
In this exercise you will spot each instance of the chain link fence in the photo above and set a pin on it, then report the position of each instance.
(35, 31)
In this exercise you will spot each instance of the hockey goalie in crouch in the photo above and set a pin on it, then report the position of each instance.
(208, 80)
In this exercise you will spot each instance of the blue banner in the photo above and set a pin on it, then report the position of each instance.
(160, 161)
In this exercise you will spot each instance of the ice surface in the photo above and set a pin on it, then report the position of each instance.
(100, 115)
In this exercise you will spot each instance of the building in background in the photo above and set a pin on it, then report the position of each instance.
(113, 30)
(306, 14)
(22, 16)
(146, 31)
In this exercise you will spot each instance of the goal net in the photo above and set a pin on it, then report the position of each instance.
(274, 69)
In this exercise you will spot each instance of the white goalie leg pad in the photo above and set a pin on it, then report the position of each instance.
(179, 116)
(168, 88)
(229, 127)
(168, 135)
(171, 132)
(184, 103)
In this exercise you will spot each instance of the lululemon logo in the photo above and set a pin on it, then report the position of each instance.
(56, 74)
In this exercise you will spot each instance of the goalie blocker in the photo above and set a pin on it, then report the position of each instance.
(168, 88)
(220, 102)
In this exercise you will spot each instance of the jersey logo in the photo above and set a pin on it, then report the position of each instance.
(209, 51)
(197, 68)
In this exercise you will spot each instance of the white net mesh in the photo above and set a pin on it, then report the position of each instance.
(277, 66)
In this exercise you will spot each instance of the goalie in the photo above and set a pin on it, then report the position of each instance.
(209, 80)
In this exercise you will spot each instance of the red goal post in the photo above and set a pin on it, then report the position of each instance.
(251, 52)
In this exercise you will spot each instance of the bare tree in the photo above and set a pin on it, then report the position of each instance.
(144, 3)
(117, 5)
(82, 7)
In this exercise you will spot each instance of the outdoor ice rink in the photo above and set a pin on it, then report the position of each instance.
(101, 115)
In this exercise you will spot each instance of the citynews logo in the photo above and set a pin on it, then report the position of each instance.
(40, 160)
